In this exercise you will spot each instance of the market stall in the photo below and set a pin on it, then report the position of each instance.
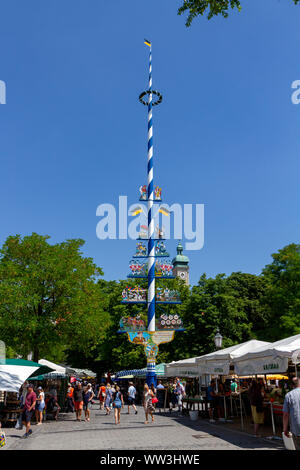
(13, 373)
(274, 358)
(187, 369)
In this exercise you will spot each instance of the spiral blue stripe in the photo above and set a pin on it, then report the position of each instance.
(151, 258)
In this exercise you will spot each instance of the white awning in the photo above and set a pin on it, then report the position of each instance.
(183, 368)
(269, 359)
(12, 377)
(218, 362)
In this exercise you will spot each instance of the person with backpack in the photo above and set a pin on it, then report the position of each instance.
(118, 403)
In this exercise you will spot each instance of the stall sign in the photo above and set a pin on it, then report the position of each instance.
(261, 366)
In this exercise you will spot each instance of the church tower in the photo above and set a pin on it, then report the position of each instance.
(181, 265)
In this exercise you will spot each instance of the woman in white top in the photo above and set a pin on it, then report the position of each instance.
(40, 405)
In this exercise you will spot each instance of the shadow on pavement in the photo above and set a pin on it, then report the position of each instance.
(113, 428)
(237, 438)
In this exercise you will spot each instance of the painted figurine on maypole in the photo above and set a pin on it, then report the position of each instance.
(162, 331)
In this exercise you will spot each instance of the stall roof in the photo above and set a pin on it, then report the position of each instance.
(233, 351)
(269, 359)
(283, 348)
(188, 361)
(83, 373)
(57, 369)
(183, 368)
(14, 372)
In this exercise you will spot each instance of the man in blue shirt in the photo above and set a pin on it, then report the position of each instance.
(291, 412)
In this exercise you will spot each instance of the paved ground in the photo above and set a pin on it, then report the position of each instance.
(167, 433)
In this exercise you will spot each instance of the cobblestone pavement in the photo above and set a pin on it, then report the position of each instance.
(166, 433)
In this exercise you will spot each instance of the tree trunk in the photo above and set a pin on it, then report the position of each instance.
(36, 354)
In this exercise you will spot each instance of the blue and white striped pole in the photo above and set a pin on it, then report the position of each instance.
(151, 374)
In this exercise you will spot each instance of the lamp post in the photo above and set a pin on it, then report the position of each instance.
(218, 339)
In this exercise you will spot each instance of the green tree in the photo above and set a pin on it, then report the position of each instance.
(211, 7)
(232, 304)
(49, 297)
(283, 294)
(115, 352)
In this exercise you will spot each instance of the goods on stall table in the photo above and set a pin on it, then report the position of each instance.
(2, 439)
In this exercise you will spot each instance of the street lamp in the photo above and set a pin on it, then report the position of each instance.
(218, 339)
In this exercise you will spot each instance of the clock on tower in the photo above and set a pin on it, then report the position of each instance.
(181, 265)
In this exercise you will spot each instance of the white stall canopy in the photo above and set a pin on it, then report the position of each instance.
(184, 368)
(218, 362)
(14, 372)
(270, 359)
(57, 369)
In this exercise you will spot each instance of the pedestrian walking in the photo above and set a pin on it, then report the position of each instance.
(88, 396)
(147, 403)
(108, 398)
(78, 401)
(291, 413)
(118, 403)
(180, 392)
(70, 399)
(131, 397)
(101, 395)
(174, 399)
(28, 409)
(40, 405)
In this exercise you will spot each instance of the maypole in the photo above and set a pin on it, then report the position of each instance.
(150, 262)
(151, 375)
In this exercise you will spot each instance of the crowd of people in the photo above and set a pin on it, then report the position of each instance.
(80, 396)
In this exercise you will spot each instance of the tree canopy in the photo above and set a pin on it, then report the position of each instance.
(54, 303)
(211, 8)
(282, 297)
(49, 297)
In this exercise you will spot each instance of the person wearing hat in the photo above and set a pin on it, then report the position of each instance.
(28, 408)
(40, 405)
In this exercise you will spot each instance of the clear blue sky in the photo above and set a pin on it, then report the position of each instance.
(73, 134)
